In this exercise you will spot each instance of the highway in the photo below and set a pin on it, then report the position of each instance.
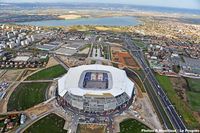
(160, 94)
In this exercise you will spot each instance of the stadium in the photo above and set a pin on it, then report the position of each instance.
(95, 89)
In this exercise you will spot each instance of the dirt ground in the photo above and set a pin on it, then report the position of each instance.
(180, 86)
(72, 61)
(91, 128)
(28, 72)
(84, 51)
(35, 111)
(51, 62)
(123, 57)
(144, 107)
(11, 75)
(2, 72)
(141, 110)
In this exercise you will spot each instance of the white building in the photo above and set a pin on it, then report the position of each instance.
(96, 88)
(23, 43)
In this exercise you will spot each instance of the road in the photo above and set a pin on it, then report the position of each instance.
(33, 81)
(60, 61)
(160, 94)
(74, 124)
(30, 122)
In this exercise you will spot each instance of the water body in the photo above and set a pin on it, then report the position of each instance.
(107, 21)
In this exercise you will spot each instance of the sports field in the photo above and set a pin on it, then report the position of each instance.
(49, 124)
(48, 73)
(182, 107)
(132, 126)
(27, 95)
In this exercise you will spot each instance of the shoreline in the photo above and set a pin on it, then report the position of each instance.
(102, 21)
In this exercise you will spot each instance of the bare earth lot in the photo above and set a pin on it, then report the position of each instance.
(91, 128)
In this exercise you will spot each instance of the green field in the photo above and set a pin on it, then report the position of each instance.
(2, 124)
(193, 84)
(49, 73)
(194, 100)
(106, 51)
(136, 78)
(27, 95)
(140, 44)
(49, 124)
(132, 126)
(193, 93)
(180, 105)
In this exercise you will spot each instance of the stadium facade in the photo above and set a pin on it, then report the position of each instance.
(95, 89)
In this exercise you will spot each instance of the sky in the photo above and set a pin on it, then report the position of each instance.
(192, 4)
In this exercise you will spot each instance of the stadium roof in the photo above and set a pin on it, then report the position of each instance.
(70, 81)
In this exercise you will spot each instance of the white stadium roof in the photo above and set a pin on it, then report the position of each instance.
(70, 81)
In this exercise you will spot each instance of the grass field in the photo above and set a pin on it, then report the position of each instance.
(194, 84)
(135, 78)
(132, 126)
(180, 106)
(49, 73)
(106, 51)
(27, 95)
(193, 93)
(140, 44)
(194, 100)
(49, 124)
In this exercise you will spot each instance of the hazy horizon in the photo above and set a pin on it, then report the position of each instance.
(192, 4)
